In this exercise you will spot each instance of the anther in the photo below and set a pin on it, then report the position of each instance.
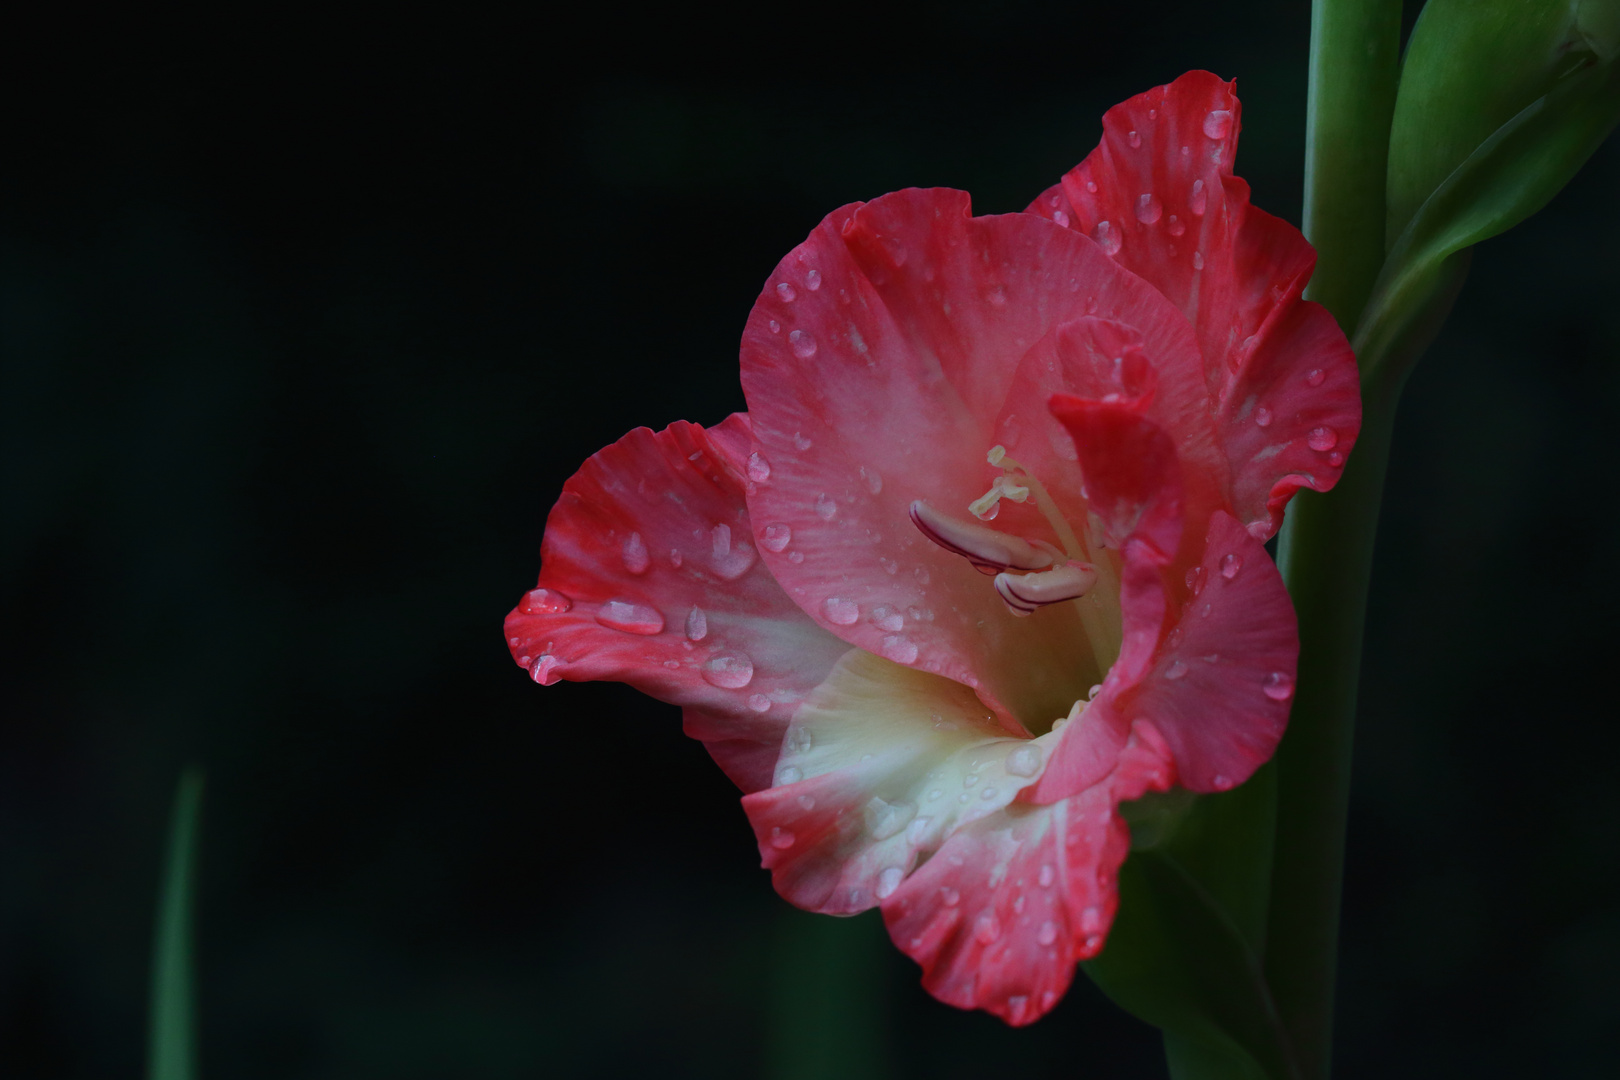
(982, 546)
(1023, 593)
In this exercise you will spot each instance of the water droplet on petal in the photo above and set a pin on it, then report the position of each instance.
(826, 508)
(1218, 123)
(729, 672)
(1046, 876)
(759, 469)
(545, 602)
(1322, 438)
(631, 617)
(812, 280)
(776, 537)
(540, 670)
(759, 703)
(918, 829)
(900, 650)
(1195, 580)
(986, 929)
(1335, 458)
(636, 558)
(697, 624)
(800, 442)
(888, 881)
(1279, 686)
(1091, 186)
(781, 839)
(795, 557)
(841, 612)
(804, 345)
(1091, 920)
(1024, 761)
(1060, 218)
(874, 482)
(886, 819)
(789, 775)
(807, 802)
(1149, 209)
(1108, 238)
(1198, 260)
(988, 793)
(1176, 670)
(797, 741)
(1262, 416)
(1047, 933)
(776, 327)
(1134, 139)
(1220, 782)
(1200, 198)
(1230, 566)
(787, 292)
(949, 896)
(729, 562)
(1315, 376)
(1176, 226)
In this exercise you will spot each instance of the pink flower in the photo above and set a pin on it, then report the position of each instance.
(984, 557)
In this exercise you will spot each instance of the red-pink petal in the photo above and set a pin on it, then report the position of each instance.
(877, 365)
(1001, 914)
(1160, 194)
(649, 576)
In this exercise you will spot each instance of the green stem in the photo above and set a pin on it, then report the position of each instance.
(171, 1052)
(1325, 551)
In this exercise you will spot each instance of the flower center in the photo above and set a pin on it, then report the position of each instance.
(1030, 573)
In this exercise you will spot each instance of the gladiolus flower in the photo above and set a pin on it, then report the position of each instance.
(985, 557)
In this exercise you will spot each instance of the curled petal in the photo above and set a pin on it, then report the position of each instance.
(650, 576)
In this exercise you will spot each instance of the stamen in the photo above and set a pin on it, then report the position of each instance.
(1023, 593)
(1003, 486)
(984, 547)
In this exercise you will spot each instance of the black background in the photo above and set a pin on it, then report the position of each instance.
(305, 321)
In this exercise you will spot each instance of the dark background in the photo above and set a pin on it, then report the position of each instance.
(306, 320)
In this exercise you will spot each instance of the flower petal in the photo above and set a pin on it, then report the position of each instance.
(1159, 195)
(877, 364)
(649, 576)
(1001, 914)
(881, 765)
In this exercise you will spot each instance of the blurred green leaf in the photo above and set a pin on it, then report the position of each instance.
(1185, 952)
(1510, 176)
(171, 1045)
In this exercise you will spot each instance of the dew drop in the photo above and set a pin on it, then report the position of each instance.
(1218, 123)
(697, 625)
(1135, 140)
(1195, 580)
(1315, 376)
(1047, 933)
(1046, 876)
(1091, 186)
(1176, 227)
(545, 602)
(540, 670)
(1149, 209)
(729, 672)
(729, 562)
(986, 929)
(1200, 198)
(888, 881)
(1176, 670)
(781, 839)
(804, 346)
(918, 829)
(800, 442)
(1198, 260)
(776, 327)
(1059, 217)
(988, 793)
(759, 469)
(899, 649)
(841, 612)
(1220, 782)
(891, 621)
(631, 617)
(826, 508)
(1108, 238)
(1262, 416)
(1231, 565)
(922, 575)
(874, 482)
(807, 802)
(797, 741)
(1090, 920)
(1024, 761)
(759, 703)
(636, 558)
(795, 557)
(1322, 438)
(1279, 686)
(812, 280)
(787, 292)
(776, 537)
(886, 819)
(1335, 458)
(789, 775)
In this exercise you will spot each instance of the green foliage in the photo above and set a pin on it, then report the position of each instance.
(171, 1039)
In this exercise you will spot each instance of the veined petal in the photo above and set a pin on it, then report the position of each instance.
(877, 364)
(882, 764)
(650, 576)
(1001, 914)
(1159, 194)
